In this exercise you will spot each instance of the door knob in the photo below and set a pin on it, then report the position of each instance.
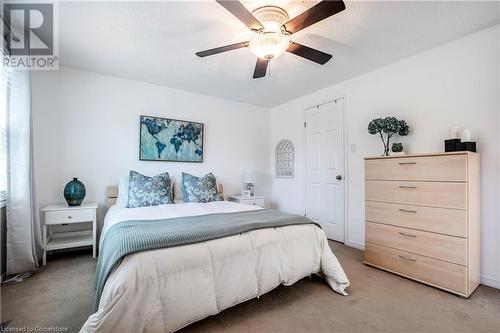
(339, 177)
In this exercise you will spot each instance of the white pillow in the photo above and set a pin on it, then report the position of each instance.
(122, 199)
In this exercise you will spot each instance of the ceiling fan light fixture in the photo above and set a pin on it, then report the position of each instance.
(272, 26)
(269, 45)
(270, 42)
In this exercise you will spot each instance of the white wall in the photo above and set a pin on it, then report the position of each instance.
(86, 125)
(454, 84)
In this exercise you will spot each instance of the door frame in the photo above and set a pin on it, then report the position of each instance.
(346, 162)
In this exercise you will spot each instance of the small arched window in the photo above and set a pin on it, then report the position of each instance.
(285, 159)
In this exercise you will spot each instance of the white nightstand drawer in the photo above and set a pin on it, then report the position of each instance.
(254, 202)
(69, 216)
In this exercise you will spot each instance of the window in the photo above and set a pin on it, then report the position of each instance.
(4, 91)
(285, 159)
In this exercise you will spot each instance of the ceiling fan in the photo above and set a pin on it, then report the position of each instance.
(273, 28)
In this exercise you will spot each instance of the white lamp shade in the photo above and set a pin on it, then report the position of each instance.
(249, 177)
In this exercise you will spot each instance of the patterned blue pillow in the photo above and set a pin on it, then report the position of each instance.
(146, 191)
(197, 189)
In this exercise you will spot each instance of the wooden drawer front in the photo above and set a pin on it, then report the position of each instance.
(443, 220)
(435, 168)
(435, 194)
(436, 272)
(449, 248)
(73, 216)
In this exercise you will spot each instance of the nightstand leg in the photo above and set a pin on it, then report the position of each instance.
(44, 259)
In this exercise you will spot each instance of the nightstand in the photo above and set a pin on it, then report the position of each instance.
(63, 214)
(255, 200)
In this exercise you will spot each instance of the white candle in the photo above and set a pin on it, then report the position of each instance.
(454, 132)
(466, 135)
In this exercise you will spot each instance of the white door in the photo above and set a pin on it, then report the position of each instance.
(325, 167)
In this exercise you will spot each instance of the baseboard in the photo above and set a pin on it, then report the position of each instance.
(355, 245)
(490, 282)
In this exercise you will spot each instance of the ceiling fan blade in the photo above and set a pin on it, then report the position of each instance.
(260, 68)
(222, 49)
(309, 53)
(314, 14)
(241, 12)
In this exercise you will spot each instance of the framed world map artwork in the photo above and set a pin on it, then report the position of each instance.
(163, 139)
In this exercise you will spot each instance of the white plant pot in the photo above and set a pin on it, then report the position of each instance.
(401, 153)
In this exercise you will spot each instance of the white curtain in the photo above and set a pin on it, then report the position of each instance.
(24, 238)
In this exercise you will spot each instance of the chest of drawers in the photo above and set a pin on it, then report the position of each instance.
(422, 218)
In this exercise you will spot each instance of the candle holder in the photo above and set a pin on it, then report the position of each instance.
(452, 145)
(457, 145)
(469, 146)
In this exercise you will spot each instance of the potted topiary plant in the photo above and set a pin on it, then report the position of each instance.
(387, 128)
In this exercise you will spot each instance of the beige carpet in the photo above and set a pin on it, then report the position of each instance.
(61, 294)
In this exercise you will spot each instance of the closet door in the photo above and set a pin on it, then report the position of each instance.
(325, 167)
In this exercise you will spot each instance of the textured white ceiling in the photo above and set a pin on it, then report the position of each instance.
(156, 42)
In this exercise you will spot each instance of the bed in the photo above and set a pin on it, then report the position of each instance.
(167, 288)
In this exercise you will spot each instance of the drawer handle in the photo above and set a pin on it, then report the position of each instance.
(407, 235)
(406, 163)
(407, 211)
(403, 186)
(407, 259)
(69, 217)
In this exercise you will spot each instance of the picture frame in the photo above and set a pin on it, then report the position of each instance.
(170, 140)
(246, 194)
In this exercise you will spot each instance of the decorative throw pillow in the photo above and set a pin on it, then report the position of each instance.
(196, 189)
(146, 191)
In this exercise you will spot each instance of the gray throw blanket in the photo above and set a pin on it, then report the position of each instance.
(136, 236)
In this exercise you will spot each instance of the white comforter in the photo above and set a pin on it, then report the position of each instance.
(166, 289)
